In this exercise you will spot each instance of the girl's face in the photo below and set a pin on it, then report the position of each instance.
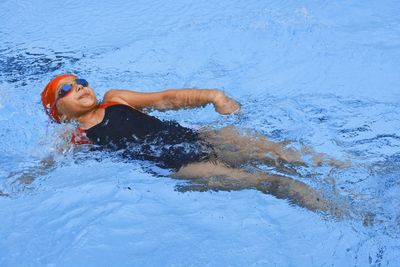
(77, 101)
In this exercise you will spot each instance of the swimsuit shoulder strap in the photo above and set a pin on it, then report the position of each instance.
(108, 104)
(79, 137)
(113, 103)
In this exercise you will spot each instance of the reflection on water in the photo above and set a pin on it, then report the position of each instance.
(21, 64)
(349, 130)
(278, 59)
(358, 131)
(364, 132)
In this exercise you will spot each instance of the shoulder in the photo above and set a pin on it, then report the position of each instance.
(114, 95)
(136, 99)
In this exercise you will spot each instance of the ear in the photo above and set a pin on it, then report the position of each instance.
(61, 111)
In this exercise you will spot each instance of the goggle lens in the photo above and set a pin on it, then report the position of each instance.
(82, 82)
(67, 87)
(64, 90)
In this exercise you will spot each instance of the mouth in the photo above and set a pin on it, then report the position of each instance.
(84, 95)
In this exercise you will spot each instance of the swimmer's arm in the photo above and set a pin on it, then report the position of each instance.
(29, 174)
(42, 167)
(174, 99)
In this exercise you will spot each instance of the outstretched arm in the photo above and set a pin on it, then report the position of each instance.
(28, 175)
(44, 166)
(175, 99)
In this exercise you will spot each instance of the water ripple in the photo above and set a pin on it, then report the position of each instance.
(22, 64)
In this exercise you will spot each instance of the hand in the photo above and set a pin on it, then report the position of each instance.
(225, 105)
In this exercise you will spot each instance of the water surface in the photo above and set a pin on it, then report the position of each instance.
(321, 74)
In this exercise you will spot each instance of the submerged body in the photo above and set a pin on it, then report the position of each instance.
(213, 159)
(141, 136)
(199, 157)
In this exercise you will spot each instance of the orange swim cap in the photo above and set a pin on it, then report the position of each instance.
(49, 96)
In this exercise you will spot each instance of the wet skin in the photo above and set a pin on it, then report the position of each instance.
(233, 150)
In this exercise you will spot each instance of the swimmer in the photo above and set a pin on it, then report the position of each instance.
(211, 159)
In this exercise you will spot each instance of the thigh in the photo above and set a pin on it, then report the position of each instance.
(246, 146)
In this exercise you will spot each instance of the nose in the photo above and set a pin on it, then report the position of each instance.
(78, 87)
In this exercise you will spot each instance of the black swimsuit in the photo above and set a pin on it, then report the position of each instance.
(141, 136)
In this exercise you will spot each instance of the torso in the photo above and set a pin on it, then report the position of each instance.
(123, 126)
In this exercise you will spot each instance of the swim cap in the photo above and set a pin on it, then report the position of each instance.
(49, 96)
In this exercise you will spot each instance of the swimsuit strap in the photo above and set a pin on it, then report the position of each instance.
(108, 104)
(79, 137)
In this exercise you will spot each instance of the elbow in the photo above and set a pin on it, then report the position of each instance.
(164, 101)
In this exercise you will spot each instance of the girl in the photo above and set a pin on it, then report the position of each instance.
(211, 159)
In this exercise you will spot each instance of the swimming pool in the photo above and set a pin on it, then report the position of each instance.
(323, 74)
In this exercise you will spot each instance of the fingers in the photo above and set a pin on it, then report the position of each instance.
(225, 105)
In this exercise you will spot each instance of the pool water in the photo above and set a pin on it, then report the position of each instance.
(322, 74)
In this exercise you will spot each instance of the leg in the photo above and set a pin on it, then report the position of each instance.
(236, 149)
(220, 177)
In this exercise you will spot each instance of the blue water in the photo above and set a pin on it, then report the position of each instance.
(325, 74)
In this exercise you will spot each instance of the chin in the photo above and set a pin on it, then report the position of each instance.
(88, 101)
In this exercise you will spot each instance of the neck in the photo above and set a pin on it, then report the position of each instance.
(89, 117)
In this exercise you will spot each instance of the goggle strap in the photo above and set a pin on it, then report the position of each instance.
(49, 111)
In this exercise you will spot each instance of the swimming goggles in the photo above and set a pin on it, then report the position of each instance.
(65, 89)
